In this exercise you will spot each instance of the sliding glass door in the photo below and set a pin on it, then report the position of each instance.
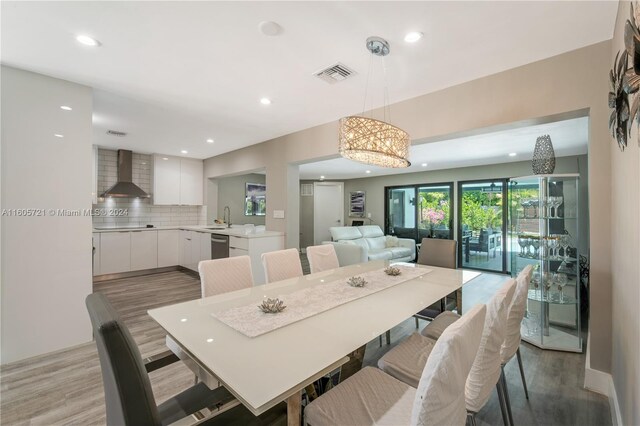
(482, 221)
(419, 211)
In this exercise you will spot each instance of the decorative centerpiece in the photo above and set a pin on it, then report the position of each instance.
(272, 306)
(356, 282)
(392, 270)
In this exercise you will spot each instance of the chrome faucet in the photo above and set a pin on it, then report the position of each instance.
(226, 216)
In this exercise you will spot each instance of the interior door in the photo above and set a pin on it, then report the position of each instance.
(328, 209)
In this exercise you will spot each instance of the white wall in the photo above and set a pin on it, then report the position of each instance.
(46, 261)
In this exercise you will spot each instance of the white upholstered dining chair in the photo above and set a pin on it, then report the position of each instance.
(511, 344)
(322, 258)
(372, 397)
(219, 276)
(281, 265)
(406, 361)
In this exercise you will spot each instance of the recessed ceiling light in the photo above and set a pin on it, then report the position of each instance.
(210, 141)
(164, 158)
(58, 135)
(184, 151)
(66, 108)
(424, 164)
(183, 320)
(269, 28)
(368, 171)
(265, 101)
(209, 340)
(321, 177)
(512, 154)
(413, 36)
(87, 41)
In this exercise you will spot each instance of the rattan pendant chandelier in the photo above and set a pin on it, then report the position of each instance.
(372, 141)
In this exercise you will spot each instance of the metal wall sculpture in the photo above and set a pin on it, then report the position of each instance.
(624, 98)
(544, 157)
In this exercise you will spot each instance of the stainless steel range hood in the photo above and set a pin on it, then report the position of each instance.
(124, 187)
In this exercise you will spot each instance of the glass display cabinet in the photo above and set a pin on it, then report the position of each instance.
(543, 228)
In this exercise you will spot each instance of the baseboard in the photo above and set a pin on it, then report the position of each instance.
(602, 383)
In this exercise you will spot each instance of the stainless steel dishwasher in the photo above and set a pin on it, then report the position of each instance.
(219, 246)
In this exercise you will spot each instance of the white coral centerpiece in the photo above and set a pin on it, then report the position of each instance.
(272, 306)
(393, 271)
(356, 282)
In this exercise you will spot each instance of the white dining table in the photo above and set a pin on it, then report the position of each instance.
(276, 366)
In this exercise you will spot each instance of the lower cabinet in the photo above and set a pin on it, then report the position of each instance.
(168, 248)
(190, 249)
(96, 253)
(144, 250)
(115, 252)
(233, 252)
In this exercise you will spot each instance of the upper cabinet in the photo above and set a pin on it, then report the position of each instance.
(177, 181)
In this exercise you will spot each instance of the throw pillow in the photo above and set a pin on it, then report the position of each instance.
(391, 241)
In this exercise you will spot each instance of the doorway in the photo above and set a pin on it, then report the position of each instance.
(328, 209)
(482, 225)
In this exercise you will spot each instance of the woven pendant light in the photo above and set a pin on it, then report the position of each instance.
(544, 157)
(372, 141)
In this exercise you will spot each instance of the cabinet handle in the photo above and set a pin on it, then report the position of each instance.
(214, 240)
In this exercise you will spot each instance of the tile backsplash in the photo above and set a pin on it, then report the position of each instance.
(141, 212)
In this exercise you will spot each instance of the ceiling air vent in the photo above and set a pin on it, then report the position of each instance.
(335, 73)
(116, 133)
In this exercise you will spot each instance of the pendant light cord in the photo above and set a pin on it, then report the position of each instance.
(366, 86)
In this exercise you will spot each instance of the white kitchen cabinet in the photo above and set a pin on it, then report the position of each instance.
(166, 180)
(191, 181)
(96, 253)
(144, 250)
(205, 246)
(115, 252)
(177, 181)
(168, 248)
(190, 249)
(233, 252)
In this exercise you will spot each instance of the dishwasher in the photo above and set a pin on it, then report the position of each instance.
(219, 246)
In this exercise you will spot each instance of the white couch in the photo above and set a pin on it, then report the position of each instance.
(356, 244)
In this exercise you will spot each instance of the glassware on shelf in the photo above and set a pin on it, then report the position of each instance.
(535, 243)
(561, 281)
(532, 324)
(552, 243)
(522, 243)
(525, 203)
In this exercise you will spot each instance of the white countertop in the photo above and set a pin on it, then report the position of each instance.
(236, 232)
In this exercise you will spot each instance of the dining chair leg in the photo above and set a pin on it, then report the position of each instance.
(524, 381)
(471, 418)
(380, 339)
(417, 322)
(506, 394)
(388, 335)
(503, 404)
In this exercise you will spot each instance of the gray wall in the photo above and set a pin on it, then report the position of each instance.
(306, 218)
(231, 192)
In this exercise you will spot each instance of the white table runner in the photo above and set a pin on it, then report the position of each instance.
(252, 322)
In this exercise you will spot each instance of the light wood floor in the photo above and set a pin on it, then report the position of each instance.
(66, 387)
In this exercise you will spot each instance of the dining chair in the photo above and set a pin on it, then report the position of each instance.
(322, 258)
(443, 254)
(373, 397)
(406, 361)
(281, 265)
(129, 397)
(219, 276)
(511, 345)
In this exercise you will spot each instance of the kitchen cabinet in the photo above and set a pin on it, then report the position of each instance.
(191, 181)
(233, 252)
(168, 248)
(96, 253)
(144, 250)
(177, 181)
(190, 249)
(115, 252)
(205, 245)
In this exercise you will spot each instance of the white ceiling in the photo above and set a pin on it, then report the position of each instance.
(569, 137)
(173, 74)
